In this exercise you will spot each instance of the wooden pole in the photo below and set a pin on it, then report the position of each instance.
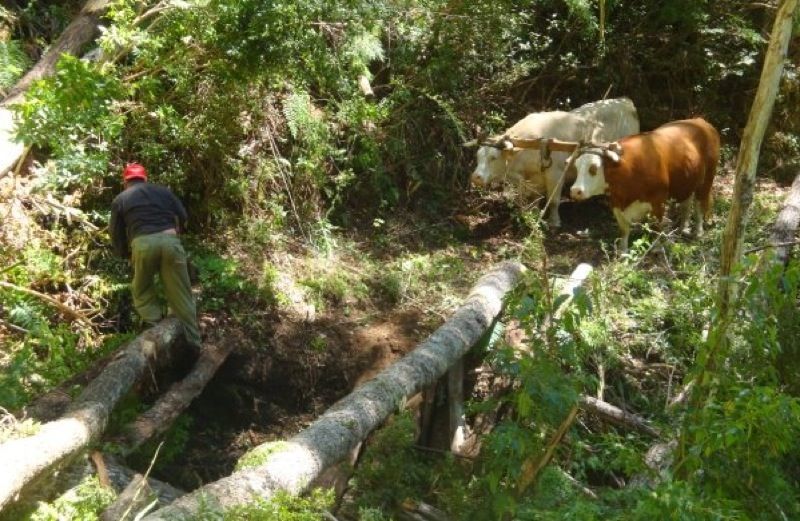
(163, 414)
(455, 394)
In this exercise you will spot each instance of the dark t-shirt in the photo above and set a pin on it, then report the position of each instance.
(143, 208)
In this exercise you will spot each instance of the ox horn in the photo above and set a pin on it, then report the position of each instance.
(470, 143)
(612, 155)
(506, 143)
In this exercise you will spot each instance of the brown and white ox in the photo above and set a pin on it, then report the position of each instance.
(641, 172)
(527, 172)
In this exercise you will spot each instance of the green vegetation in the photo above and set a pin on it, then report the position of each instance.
(259, 455)
(305, 191)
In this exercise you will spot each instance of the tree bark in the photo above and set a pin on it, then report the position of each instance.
(332, 436)
(67, 480)
(121, 477)
(135, 497)
(52, 404)
(25, 460)
(163, 414)
(785, 229)
(76, 35)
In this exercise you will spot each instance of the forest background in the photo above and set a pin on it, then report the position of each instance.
(256, 114)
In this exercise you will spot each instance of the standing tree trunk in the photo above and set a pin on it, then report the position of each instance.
(76, 35)
(331, 437)
(746, 164)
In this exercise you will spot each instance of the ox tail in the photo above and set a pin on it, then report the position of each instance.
(705, 195)
(708, 205)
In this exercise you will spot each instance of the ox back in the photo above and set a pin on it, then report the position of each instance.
(675, 161)
(615, 118)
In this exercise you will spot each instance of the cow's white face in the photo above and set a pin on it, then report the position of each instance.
(591, 178)
(491, 167)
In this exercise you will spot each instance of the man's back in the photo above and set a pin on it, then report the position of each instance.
(148, 208)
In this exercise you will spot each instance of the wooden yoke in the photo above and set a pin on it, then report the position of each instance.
(554, 145)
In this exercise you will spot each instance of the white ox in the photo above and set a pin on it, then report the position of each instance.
(597, 122)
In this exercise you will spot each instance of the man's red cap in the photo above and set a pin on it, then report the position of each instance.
(134, 171)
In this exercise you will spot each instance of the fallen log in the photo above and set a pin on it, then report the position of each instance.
(53, 404)
(331, 437)
(77, 34)
(784, 231)
(27, 459)
(66, 482)
(135, 497)
(616, 415)
(166, 410)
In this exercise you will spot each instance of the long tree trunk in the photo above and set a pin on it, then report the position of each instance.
(25, 460)
(746, 164)
(76, 35)
(163, 414)
(348, 422)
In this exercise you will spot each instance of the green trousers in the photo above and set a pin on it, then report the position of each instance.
(163, 254)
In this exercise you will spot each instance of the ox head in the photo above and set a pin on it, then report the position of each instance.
(492, 160)
(589, 161)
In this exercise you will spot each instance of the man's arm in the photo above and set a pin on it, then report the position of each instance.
(118, 231)
(180, 213)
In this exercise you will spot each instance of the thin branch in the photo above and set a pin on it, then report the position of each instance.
(531, 466)
(768, 246)
(443, 452)
(72, 313)
(14, 327)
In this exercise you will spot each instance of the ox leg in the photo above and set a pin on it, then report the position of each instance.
(635, 212)
(625, 229)
(699, 218)
(685, 213)
(554, 180)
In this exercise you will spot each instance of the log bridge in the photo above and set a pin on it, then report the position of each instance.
(301, 460)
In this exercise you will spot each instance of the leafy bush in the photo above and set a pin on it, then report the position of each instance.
(73, 115)
(13, 62)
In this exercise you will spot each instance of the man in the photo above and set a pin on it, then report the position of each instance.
(145, 221)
